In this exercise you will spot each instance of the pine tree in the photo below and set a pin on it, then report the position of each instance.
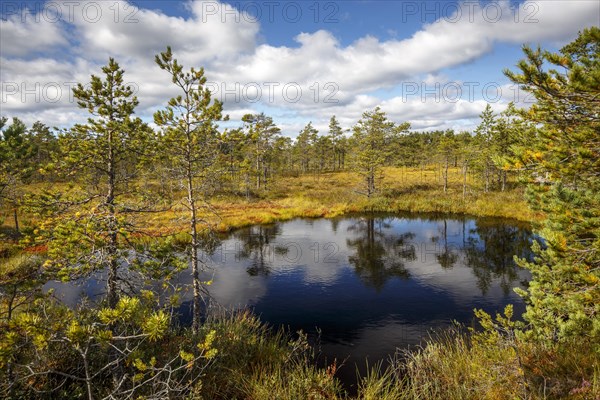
(323, 148)
(372, 137)
(447, 148)
(505, 137)
(564, 294)
(232, 153)
(43, 145)
(305, 147)
(15, 165)
(90, 223)
(466, 153)
(336, 135)
(262, 133)
(191, 139)
(484, 138)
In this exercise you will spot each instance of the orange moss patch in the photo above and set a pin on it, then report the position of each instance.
(42, 248)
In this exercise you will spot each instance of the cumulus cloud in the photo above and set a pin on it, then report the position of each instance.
(21, 33)
(313, 79)
(132, 33)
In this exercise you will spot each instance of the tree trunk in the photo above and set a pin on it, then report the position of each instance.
(371, 182)
(446, 175)
(257, 174)
(111, 281)
(113, 264)
(196, 314)
(334, 160)
(247, 181)
(486, 173)
(10, 378)
(265, 174)
(257, 167)
(16, 217)
(88, 378)
(465, 167)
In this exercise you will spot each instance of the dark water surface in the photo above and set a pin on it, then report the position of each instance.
(368, 284)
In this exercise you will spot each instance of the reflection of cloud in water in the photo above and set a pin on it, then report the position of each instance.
(371, 284)
(71, 293)
(312, 249)
(93, 288)
(323, 252)
(459, 281)
(319, 255)
(233, 288)
(429, 239)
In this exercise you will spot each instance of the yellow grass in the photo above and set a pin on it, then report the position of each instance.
(337, 193)
(333, 194)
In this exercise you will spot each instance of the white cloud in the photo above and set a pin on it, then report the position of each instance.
(139, 35)
(226, 42)
(22, 33)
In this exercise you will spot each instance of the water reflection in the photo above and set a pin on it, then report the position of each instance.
(490, 250)
(367, 283)
(377, 255)
(255, 246)
(447, 257)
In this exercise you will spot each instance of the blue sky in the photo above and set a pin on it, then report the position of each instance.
(432, 63)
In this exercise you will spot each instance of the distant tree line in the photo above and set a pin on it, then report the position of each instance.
(245, 160)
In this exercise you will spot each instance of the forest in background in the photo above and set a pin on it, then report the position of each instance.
(114, 191)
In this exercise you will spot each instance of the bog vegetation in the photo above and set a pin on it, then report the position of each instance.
(115, 195)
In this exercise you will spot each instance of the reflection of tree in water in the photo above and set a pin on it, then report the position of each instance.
(490, 249)
(379, 254)
(256, 244)
(447, 257)
(335, 223)
(209, 243)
